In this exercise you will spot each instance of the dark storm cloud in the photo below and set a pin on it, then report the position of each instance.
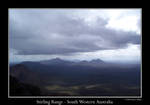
(57, 32)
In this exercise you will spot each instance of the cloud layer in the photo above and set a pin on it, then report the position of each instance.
(62, 32)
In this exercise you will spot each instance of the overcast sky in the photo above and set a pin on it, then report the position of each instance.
(75, 34)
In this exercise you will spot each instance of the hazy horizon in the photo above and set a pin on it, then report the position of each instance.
(75, 60)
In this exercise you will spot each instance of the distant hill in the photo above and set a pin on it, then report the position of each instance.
(56, 61)
(97, 61)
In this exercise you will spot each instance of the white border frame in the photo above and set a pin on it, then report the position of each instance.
(76, 96)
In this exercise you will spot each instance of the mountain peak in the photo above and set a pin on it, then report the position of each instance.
(57, 59)
(54, 61)
(96, 60)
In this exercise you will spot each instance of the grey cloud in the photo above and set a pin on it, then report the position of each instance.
(56, 32)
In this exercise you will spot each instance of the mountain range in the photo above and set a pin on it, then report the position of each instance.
(58, 61)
